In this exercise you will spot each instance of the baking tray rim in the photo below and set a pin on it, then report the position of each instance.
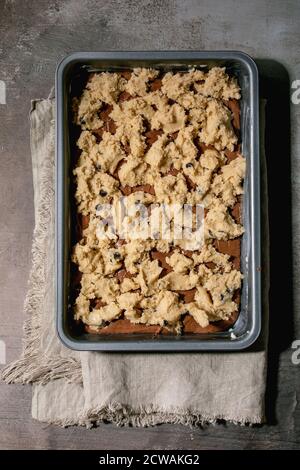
(198, 344)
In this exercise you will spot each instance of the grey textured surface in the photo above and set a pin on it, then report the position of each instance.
(34, 36)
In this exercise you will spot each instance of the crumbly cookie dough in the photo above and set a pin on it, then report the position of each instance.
(166, 143)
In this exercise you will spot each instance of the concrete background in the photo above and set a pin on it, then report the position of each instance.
(34, 36)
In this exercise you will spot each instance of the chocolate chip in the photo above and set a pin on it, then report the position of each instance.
(186, 312)
(117, 255)
(165, 323)
(189, 165)
(103, 193)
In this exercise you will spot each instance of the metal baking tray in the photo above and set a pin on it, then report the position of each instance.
(247, 327)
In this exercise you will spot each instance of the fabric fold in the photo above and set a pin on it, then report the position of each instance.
(73, 388)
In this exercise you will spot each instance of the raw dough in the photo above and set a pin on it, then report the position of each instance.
(186, 114)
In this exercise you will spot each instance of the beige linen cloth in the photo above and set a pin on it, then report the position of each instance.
(85, 388)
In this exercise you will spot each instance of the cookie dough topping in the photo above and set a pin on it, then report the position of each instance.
(165, 139)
